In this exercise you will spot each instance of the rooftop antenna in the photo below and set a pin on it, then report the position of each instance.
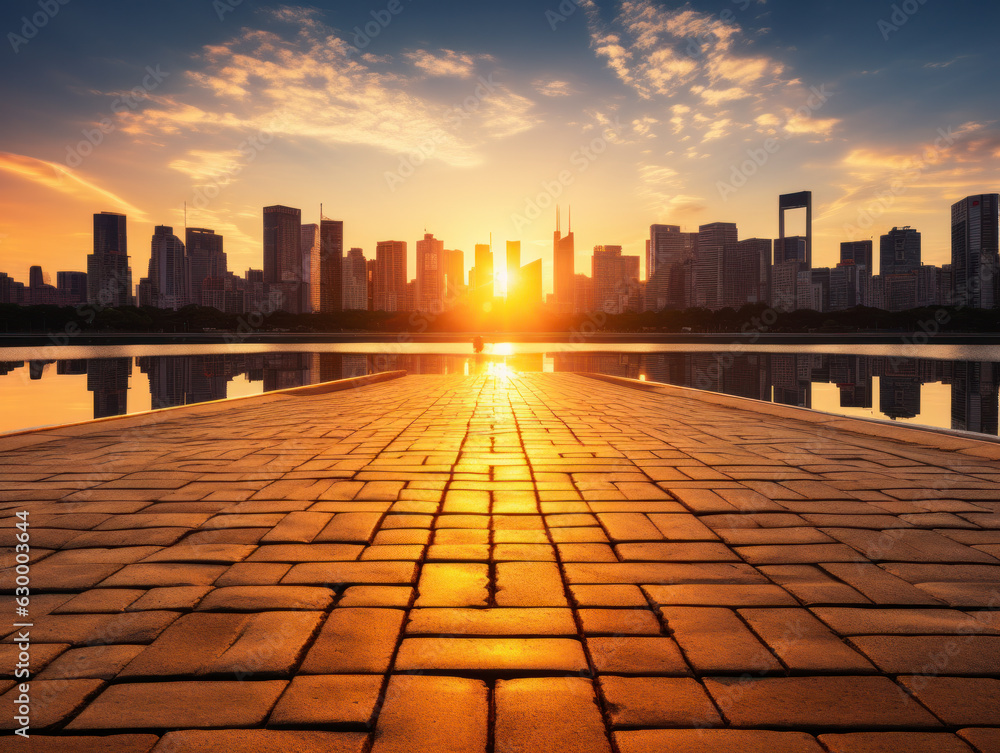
(569, 230)
(558, 225)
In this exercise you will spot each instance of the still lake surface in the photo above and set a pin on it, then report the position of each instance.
(944, 386)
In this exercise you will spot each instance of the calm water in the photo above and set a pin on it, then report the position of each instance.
(952, 387)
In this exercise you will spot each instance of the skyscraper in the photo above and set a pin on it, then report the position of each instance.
(454, 273)
(746, 272)
(389, 283)
(714, 240)
(355, 281)
(667, 252)
(205, 259)
(800, 200)
(283, 273)
(430, 274)
(975, 267)
(899, 251)
(331, 266)
(483, 290)
(310, 267)
(615, 276)
(109, 279)
(513, 278)
(530, 283)
(563, 267)
(167, 270)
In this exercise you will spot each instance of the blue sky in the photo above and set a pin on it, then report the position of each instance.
(475, 118)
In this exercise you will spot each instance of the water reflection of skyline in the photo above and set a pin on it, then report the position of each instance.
(786, 378)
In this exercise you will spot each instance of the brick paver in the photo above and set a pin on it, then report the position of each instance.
(490, 564)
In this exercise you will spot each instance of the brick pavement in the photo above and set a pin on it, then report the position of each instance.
(524, 564)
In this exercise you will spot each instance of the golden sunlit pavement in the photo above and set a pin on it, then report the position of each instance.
(504, 562)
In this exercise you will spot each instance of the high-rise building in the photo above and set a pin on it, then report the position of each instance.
(583, 293)
(330, 276)
(109, 278)
(310, 267)
(716, 241)
(899, 251)
(513, 277)
(563, 267)
(483, 285)
(530, 284)
(786, 202)
(430, 275)
(389, 283)
(36, 278)
(355, 281)
(858, 253)
(167, 276)
(668, 256)
(974, 250)
(205, 258)
(283, 272)
(72, 287)
(742, 272)
(454, 275)
(616, 279)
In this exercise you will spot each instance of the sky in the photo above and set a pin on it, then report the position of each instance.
(473, 120)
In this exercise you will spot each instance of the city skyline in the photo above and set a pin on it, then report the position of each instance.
(485, 123)
(305, 271)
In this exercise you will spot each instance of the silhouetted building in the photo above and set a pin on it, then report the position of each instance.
(283, 273)
(109, 278)
(430, 275)
(786, 202)
(716, 241)
(310, 267)
(355, 281)
(899, 251)
(454, 274)
(669, 253)
(513, 269)
(482, 287)
(389, 279)
(166, 269)
(530, 283)
(205, 258)
(331, 266)
(741, 272)
(616, 279)
(974, 247)
(564, 268)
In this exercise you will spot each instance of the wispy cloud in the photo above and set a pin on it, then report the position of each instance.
(63, 180)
